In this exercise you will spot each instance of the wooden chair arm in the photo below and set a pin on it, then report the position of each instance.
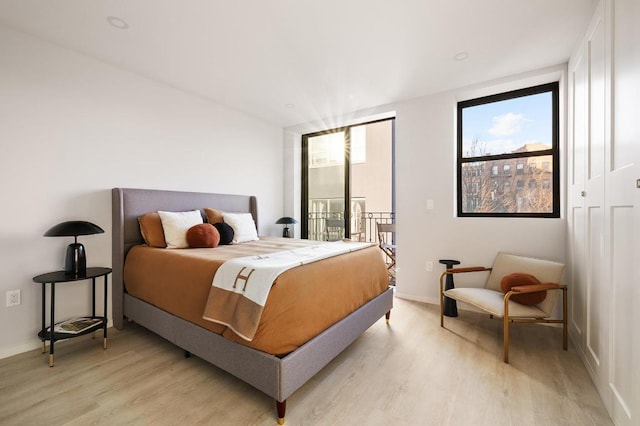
(536, 287)
(450, 271)
(467, 269)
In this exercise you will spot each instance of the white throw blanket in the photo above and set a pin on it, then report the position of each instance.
(263, 270)
(252, 278)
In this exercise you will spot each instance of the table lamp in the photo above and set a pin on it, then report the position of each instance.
(286, 221)
(75, 259)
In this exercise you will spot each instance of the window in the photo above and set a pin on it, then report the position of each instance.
(513, 130)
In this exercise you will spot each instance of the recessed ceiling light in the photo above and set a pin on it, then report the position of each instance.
(118, 23)
(461, 56)
(289, 106)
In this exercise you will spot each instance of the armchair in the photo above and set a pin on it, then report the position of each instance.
(494, 301)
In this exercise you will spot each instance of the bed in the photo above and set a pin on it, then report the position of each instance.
(278, 376)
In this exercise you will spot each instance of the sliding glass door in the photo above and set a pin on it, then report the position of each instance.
(345, 170)
(327, 189)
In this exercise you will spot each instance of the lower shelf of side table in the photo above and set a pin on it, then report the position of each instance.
(46, 333)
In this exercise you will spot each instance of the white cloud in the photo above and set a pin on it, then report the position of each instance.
(501, 146)
(490, 147)
(507, 124)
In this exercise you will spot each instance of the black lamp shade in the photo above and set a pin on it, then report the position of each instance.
(76, 258)
(286, 220)
(73, 229)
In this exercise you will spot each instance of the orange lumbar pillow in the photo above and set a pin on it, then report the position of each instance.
(521, 279)
(203, 235)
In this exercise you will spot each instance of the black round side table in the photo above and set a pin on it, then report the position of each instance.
(450, 307)
(50, 333)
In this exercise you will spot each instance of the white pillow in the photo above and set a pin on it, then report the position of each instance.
(244, 228)
(176, 225)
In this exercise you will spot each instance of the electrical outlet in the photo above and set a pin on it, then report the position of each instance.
(13, 297)
(429, 266)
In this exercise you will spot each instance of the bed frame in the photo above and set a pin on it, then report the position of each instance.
(275, 376)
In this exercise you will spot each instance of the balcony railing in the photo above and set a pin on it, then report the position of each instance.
(363, 225)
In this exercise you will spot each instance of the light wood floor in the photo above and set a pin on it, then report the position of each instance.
(411, 372)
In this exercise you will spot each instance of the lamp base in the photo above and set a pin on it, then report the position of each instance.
(75, 261)
(285, 232)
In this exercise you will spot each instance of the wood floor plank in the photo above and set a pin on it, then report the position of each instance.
(410, 372)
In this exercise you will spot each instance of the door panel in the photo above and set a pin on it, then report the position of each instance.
(326, 186)
(623, 287)
(597, 319)
(576, 196)
(623, 203)
(595, 293)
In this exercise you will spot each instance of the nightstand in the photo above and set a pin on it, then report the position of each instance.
(66, 329)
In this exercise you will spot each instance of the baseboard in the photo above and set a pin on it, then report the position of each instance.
(408, 296)
(26, 347)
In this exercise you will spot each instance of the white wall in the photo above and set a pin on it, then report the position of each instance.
(425, 170)
(72, 128)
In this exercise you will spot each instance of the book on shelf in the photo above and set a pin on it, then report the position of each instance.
(75, 325)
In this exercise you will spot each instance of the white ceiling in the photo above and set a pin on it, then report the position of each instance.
(293, 61)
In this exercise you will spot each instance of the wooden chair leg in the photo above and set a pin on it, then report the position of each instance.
(506, 327)
(564, 319)
(506, 339)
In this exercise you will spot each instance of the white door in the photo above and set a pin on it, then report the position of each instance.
(577, 137)
(586, 210)
(596, 331)
(604, 204)
(623, 210)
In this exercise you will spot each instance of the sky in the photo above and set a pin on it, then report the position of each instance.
(502, 127)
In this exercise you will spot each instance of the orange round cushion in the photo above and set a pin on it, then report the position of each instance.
(203, 235)
(519, 279)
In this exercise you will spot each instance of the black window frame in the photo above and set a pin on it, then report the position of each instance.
(554, 152)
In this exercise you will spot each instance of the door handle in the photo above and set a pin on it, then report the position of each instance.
(638, 183)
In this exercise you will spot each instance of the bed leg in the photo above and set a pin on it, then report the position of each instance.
(281, 407)
(387, 316)
(187, 354)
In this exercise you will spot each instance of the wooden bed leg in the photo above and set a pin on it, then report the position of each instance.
(388, 316)
(281, 407)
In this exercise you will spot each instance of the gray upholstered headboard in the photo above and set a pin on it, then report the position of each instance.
(127, 204)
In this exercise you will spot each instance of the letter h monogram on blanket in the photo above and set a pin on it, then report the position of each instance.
(243, 277)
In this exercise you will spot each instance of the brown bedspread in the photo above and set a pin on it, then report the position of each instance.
(303, 302)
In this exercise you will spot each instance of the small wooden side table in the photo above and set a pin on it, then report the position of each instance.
(53, 278)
